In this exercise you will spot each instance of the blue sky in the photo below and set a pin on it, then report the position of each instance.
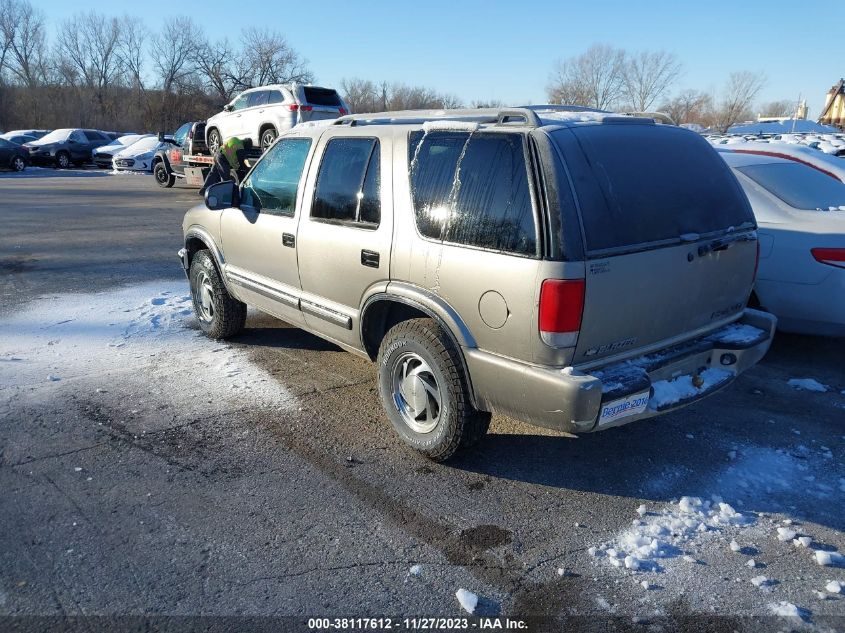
(506, 51)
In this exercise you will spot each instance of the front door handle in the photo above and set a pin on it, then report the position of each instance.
(369, 258)
(288, 240)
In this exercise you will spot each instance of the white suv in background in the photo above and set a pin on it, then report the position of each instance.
(261, 114)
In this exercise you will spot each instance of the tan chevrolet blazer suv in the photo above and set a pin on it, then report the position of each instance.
(572, 269)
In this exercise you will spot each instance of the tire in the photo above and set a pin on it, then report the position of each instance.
(62, 160)
(424, 390)
(214, 141)
(218, 313)
(18, 164)
(162, 176)
(268, 136)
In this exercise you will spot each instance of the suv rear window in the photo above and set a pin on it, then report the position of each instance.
(639, 184)
(473, 189)
(322, 97)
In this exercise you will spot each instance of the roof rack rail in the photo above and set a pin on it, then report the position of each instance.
(470, 115)
(557, 107)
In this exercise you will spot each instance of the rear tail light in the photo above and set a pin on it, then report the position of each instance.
(343, 111)
(302, 108)
(830, 256)
(561, 309)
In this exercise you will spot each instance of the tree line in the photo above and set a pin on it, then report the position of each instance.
(609, 78)
(115, 73)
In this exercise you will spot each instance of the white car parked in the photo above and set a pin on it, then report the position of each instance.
(138, 156)
(261, 114)
(800, 212)
(103, 155)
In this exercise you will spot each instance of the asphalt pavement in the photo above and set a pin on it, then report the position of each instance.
(147, 478)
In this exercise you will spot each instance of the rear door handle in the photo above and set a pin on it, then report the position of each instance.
(288, 240)
(369, 258)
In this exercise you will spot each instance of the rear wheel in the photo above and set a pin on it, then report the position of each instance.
(62, 160)
(18, 163)
(219, 314)
(424, 390)
(268, 136)
(214, 141)
(162, 176)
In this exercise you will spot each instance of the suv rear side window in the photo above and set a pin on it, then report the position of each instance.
(642, 184)
(322, 97)
(348, 183)
(93, 136)
(473, 189)
(273, 184)
(258, 98)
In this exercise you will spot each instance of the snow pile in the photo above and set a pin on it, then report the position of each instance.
(785, 609)
(665, 533)
(667, 392)
(830, 559)
(761, 581)
(834, 586)
(467, 600)
(785, 534)
(807, 384)
(143, 337)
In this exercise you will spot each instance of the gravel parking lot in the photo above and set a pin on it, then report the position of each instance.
(145, 470)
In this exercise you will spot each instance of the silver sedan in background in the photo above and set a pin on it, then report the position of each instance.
(800, 212)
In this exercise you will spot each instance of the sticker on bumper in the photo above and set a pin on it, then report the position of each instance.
(624, 407)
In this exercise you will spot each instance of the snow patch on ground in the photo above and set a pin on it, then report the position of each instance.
(144, 337)
(808, 384)
(668, 532)
(467, 600)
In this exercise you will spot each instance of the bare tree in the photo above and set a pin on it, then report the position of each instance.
(741, 90)
(783, 108)
(689, 106)
(648, 76)
(171, 52)
(270, 60)
(215, 62)
(130, 50)
(595, 78)
(361, 95)
(24, 38)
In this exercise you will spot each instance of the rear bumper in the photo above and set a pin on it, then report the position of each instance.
(637, 388)
(816, 309)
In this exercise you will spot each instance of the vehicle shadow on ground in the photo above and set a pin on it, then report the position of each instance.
(281, 335)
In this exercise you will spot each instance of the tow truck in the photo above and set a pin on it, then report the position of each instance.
(187, 158)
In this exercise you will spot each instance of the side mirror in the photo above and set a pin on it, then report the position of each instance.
(228, 107)
(222, 195)
(161, 137)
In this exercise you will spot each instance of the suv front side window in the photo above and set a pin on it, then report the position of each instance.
(473, 189)
(348, 183)
(240, 103)
(273, 185)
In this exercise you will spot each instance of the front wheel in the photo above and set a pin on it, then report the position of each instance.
(268, 137)
(18, 163)
(219, 314)
(162, 176)
(424, 390)
(214, 141)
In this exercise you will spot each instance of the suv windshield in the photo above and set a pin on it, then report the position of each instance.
(639, 184)
(799, 186)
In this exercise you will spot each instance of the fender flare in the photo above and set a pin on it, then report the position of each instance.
(199, 233)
